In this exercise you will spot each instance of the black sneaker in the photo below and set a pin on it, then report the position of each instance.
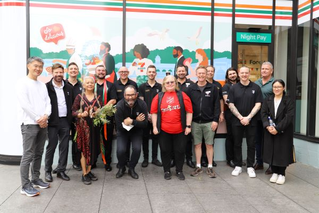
(92, 176)
(180, 175)
(145, 163)
(40, 184)
(86, 180)
(156, 162)
(167, 175)
(29, 191)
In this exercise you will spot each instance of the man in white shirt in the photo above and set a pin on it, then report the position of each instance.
(34, 111)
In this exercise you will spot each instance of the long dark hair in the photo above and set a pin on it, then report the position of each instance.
(231, 69)
(280, 81)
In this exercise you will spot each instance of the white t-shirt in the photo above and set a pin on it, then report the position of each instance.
(33, 99)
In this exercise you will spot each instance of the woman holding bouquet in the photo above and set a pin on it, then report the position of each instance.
(85, 107)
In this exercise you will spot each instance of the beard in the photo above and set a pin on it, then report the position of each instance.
(175, 55)
(58, 78)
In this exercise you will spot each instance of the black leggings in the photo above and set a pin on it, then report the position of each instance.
(280, 170)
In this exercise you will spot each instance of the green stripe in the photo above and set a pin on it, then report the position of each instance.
(283, 13)
(304, 9)
(158, 6)
(316, 3)
(223, 10)
(74, 2)
(269, 12)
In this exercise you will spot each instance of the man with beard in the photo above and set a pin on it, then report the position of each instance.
(107, 93)
(147, 91)
(178, 53)
(108, 61)
(131, 118)
(231, 78)
(183, 84)
(60, 94)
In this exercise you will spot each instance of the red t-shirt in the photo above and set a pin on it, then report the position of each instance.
(170, 111)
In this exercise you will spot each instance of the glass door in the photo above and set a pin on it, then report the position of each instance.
(252, 56)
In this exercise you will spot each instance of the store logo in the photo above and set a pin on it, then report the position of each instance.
(52, 33)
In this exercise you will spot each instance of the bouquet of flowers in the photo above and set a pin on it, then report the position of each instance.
(101, 115)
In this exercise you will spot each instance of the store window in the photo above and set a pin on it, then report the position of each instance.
(302, 78)
(281, 52)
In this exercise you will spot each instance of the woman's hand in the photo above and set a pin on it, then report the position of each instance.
(155, 131)
(187, 130)
(272, 130)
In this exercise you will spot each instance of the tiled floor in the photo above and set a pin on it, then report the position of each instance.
(151, 193)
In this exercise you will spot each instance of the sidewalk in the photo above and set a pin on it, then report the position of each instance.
(151, 193)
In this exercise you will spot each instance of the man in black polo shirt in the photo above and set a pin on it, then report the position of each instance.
(245, 100)
(107, 93)
(147, 91)
(73, 71)
(183, 84)
(123, 82)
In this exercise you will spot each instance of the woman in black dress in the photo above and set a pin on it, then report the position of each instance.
(277, 115)
(84, 108)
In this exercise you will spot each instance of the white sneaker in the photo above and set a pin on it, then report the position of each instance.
(251, 172)
(281, 180)
(274, 178)
(237, 171)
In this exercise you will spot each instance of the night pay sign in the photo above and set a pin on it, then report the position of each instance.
(253, 37)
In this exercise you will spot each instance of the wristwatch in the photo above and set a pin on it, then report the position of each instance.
(188, 126)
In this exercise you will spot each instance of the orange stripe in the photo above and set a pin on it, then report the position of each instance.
(304, 4)
(168, 12)
(253, 16)
(12, 4)
(80, 7)
(253, 6)
(173, 2)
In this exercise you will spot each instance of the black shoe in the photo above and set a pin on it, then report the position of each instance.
(108, 167)
(180, 175)
(244, 164)
(157, 162)
(258, 166)
(92, 176)
(268, 171)
(86, 180)
(55, 171)
(145, 163)
(204, 164)
(231, 164)
(190, 163)
(117, 165)
(172, 163)
(214, 164)
(167, 175)
(77, 167)
(121, 172)
(48, 177)
(63, 176)
(132, 173)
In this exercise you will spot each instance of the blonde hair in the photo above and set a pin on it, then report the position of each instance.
(165, 80)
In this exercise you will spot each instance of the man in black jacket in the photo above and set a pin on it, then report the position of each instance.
(206, 109)
(131, 119)
(61, 95)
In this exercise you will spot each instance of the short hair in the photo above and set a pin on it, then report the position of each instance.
(130, 87)
(107, 45)
(34, 58)
(100, 65)
(141, 49)
(268, 63)
(57, 66)
(164, 82)
(178, 48)
(244, 67)
(88, 77)
(181, 65)
(73, 63)
(211, 67)
(151, 66)
(200, 67)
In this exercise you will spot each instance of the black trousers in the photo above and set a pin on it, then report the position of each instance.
(189, 147)
(125, 138)
(108, 143)
(57, 134)
(280, 170)
(172, 143)
(76, 153)
(259, 142)
(147, 134)
(238, 133)
(229, 143)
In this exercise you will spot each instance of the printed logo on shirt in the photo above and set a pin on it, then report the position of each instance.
(207, 93)
(157, 90)
(170, 108)
(253, 91)
(119, 90)
(170, 100)
(147, 90)
(187, 84)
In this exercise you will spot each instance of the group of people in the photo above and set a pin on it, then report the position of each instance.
(176, 115)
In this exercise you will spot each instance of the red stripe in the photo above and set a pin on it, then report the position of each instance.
(12, 4)
(79, 7)
(284, 17)
(168, 12)
(315, 9)
(304, 14)
(223, 14)
(253, 16)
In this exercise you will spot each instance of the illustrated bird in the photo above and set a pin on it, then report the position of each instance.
(195, 37)
(160, 34)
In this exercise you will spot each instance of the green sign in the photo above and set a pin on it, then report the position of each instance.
(253, 37)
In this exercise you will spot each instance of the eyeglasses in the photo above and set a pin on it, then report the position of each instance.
(277, 87)
(170, 82)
